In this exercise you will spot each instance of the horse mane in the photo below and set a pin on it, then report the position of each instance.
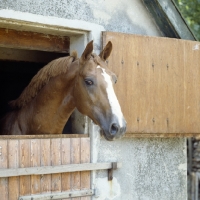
(52, 69)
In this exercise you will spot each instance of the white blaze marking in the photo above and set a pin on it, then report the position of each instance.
(114, 104)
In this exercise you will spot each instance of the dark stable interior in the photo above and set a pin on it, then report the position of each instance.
(14, 77)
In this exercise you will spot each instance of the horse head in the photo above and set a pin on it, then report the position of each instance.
(94, 93)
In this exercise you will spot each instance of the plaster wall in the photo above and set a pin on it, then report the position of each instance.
(128, 16)
(152, 169)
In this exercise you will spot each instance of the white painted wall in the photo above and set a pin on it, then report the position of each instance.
(153, 169)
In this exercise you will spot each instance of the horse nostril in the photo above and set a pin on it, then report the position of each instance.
(114, 129)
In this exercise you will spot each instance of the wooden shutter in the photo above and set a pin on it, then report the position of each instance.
(158, 84)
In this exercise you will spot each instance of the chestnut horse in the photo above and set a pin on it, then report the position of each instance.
(63, 85)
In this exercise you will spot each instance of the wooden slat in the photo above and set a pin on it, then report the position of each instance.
(56, 169)
(35, 162)
(192, 84)
(13, 137)
(57, 195)
(34, 166)
(24, 161)
(85, 158)
(13, 157)
(56, 160)
(45, 157)
(75, 159)
(34, 41)
(65, 150)
(3, 165)
(158, 84)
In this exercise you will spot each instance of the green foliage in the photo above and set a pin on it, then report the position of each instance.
(190, 10)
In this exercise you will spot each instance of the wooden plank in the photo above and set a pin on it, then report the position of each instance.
(192, 82)
(45, 136)
(65, 150)
(57, 195)
(156, 79)
(56, 160)
(75, 159)
(29, 55)
(45, 161)
(35, 162)
(163, 21)
(25, 181)
(34, 41)
(85, 158)
(56, 169)
(13, 157)
(3, 165)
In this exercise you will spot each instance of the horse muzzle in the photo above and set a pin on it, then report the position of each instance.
(115, 130)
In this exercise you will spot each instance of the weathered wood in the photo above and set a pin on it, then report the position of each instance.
(158, 84)
(45, 136)
(85, 158)
(75, 159)
(56, 160)
(55, 169)
(3, 164)
(13, 157)
(35, 162)
(45, 157)
(29, 55)
(34, 41)
(30, 166)
(65, 158)
(59, 195)
(24, 161)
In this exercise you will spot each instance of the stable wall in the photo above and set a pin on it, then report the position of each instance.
(153, 168)
(128, 16)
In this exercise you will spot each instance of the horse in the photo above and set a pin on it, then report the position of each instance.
(66, 83)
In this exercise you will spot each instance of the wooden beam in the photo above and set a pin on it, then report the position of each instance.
(161, 18)
(56, 169)
(60, 195)
(33, 41)
(25, 55)
(45, 136)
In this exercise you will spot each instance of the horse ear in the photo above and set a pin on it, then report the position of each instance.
(88, 51)
(106, 51)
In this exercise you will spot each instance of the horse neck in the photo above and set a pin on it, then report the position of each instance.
(53, 105)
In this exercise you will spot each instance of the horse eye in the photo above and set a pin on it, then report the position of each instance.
(88, 82)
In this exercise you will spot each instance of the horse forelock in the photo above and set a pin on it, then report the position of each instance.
(52, 69)
(96, 59)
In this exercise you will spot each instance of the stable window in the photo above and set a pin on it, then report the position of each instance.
(22, 54)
